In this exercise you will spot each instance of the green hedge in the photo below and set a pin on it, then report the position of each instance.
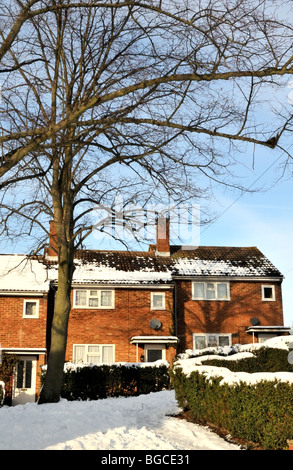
(264, 360)
(260, 413)
(7, 364)
(95, 382)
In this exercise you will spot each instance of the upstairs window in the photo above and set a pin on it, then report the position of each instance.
(31, 309)
(158, 300)
(268, 293)
(93, 298)
(210, 291)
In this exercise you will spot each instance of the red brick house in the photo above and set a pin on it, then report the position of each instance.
(137, 306)
(225, 296)
(24, 292)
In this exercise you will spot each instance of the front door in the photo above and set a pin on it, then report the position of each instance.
(24, 380)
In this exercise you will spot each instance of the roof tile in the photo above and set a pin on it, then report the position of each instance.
(201, 261)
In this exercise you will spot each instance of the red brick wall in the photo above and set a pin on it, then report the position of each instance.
(132, 314)
(231, 316)
(19, 332)
(130, 317)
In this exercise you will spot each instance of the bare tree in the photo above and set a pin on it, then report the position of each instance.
(143, 98)
(218, 42)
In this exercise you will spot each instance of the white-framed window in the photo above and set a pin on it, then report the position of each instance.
(154, 352)
(209, 340)
(210, 291)
(158, 300)
(94, 353)
(93, 298)
(268, 293)
(30, 308)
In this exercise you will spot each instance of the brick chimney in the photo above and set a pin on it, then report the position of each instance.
(163, 236)
(52, 249)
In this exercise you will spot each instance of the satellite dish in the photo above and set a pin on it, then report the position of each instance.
(155, 324)
(254, 321)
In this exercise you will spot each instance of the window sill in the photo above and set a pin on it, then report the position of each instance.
(92, 308)
(213, 300)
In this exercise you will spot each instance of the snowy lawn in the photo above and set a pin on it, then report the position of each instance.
(133, 423)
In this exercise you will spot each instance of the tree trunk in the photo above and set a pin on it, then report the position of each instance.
(52, 386)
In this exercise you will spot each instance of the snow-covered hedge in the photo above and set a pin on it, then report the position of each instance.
(271, 356)
(255, 406)
(92, 382)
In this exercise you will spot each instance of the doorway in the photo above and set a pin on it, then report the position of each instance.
(24, 380)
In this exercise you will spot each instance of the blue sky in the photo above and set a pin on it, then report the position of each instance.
(264, 216)
(263, 219)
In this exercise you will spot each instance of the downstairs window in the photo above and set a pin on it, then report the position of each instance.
(94, 353)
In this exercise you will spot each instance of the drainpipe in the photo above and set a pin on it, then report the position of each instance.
(175, 308)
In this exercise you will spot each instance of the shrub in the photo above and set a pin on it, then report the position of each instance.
(261, 413)
(264, 360)
(7, 364)
(96, 382)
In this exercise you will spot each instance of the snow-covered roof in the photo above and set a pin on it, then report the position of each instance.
(145, 267)
(118, 267)
(18, 273)
(91, 272)
(154, 339)
(223, 261)
(266, 329)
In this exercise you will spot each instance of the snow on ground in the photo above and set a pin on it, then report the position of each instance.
(146, 422)
(134, 423)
